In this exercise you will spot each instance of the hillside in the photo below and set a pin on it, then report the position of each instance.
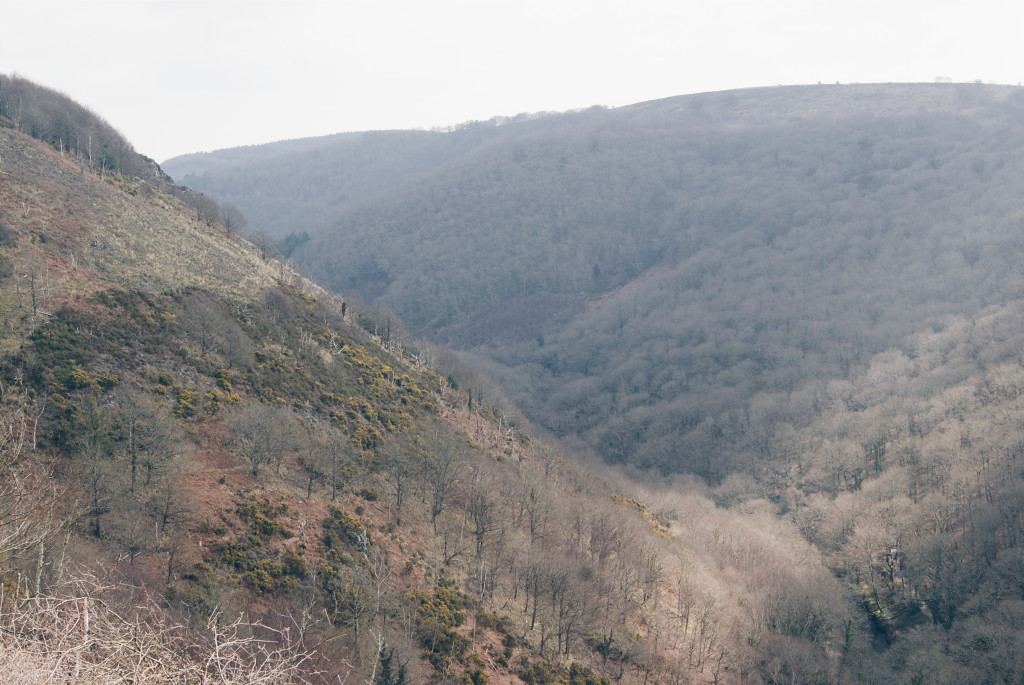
(806, 298)
(298, 187)
(216, 471)
(635, 277)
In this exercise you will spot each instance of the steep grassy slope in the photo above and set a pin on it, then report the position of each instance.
(130, 235)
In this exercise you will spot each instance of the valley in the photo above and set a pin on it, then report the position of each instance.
(724, 388)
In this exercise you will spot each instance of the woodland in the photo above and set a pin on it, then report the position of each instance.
(725, 388)
(634, 277)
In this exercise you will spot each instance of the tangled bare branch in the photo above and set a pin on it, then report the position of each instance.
(91, 634)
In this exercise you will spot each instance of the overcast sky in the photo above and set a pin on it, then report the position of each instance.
(177, 76)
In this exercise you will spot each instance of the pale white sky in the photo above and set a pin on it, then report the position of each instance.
(179, 76)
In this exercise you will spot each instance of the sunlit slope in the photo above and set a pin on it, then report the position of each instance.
(126, 230)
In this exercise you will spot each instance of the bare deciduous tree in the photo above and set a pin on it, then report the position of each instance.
(328, 457)
(442, 463)
(232, 218)
(28, 494)
(260, 434)
(148, 435)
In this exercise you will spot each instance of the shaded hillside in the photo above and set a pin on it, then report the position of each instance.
(282, 184)
(637, 277)
(800, 250)
(300, 186)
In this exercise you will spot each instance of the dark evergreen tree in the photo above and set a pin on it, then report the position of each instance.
(390, 674)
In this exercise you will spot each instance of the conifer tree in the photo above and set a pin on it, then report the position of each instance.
(388, 675)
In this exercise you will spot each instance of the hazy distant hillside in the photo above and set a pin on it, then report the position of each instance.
(301, 185)
(636, 277)
(223, 161)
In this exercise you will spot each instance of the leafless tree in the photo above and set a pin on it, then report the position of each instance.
(28, 493)
(260, 434)
(442, 462)
(148, 436)
(232, 218)
(89, 633)
(328, 457)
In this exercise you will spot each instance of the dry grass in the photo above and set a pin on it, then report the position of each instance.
(77, 233)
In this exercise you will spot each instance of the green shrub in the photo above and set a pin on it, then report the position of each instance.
(438, 615)
(342, 530)
(264, 574)
(262, 519)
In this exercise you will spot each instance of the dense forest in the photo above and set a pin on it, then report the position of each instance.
(295, 187)
(798, 305)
